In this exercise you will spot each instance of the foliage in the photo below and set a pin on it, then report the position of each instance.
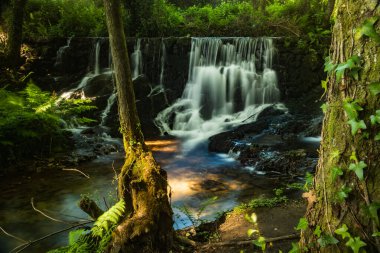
(96, 240)
(31, 120)
(64, 18)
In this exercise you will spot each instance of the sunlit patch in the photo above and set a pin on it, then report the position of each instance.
(163, 145)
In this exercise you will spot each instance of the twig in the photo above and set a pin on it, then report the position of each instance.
(47, 216)
(26, 245)
(240, 243)
(13, 236)
(105, 203)
(84, 174)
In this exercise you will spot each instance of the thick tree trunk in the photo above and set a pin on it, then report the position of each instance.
(329, 11)
(142, 183)
(330, 209)
(15, 33)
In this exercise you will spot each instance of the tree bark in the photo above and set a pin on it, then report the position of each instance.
(327, 210)
(329, 11)
(15, 33)
(142, 183)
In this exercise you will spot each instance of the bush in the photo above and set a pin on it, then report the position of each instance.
(32, 122)
(64, 18)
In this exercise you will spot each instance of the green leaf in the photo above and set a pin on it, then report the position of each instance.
(343, 193)
(260, 242)
(355, 244)
(325, 240)
(295, 248)
(375, 118)
(358, 169)
(324, 107)
(343, 232)
(329, 65)
(352, 109)
(351, 64)
(374, 88)
(317, 231)
(356, 125)
(336, 171)
(368, 30)
(324, 86)
(353, 157)
(376, 234)
(302, 224)
(250, 232)
(377, 137)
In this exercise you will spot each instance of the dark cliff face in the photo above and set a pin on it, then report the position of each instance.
(299, 74)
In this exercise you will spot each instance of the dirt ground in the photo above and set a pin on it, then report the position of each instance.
(229, 234)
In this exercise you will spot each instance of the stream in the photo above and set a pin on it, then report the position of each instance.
(194, 178)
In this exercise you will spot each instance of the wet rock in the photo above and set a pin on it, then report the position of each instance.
(223, 142)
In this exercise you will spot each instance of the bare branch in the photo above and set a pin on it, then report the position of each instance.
(22, 247)
(47, 216)
(76, 170)
(13, 236)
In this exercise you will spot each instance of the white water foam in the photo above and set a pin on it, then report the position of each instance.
(230, 81)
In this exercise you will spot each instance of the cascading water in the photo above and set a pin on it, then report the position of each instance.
(230, 81)
(136, 60)
(160, 88)
(61, 51)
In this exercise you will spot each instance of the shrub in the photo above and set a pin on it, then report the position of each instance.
(32, 122)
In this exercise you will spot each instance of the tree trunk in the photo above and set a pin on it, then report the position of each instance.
(332, 203)
(142, 183)
(15, 33)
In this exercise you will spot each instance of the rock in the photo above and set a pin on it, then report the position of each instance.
(223, 142)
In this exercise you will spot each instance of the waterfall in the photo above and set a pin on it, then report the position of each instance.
(230, 81)
(61, 51)
(97, 52)
(136, 60)
(160, 88)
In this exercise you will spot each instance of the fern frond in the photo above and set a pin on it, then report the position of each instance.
(108, 219)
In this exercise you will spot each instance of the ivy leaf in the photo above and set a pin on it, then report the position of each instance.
(343, 231)
(376, 234)
(329, 65)
(324, 86)
(324, 107)
(317, 231)
(336, 171)
(352, 64)
(260, 242)
(353, 157)
(374, 88)
(356, 125)
(355, 244)
(302, 224)
(343, 193)
(352, 109)
(325, 240)
(377, 137)
(375, 118)
(358, 169)
(295, 248)
(368, 30)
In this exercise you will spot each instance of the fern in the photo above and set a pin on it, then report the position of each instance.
(108, 219)
(98, 238)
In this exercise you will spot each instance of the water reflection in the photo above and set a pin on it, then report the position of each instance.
(193, 177)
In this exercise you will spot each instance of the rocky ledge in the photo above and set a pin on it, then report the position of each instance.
(276, 143)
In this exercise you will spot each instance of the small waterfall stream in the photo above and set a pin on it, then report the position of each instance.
(230, 81)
